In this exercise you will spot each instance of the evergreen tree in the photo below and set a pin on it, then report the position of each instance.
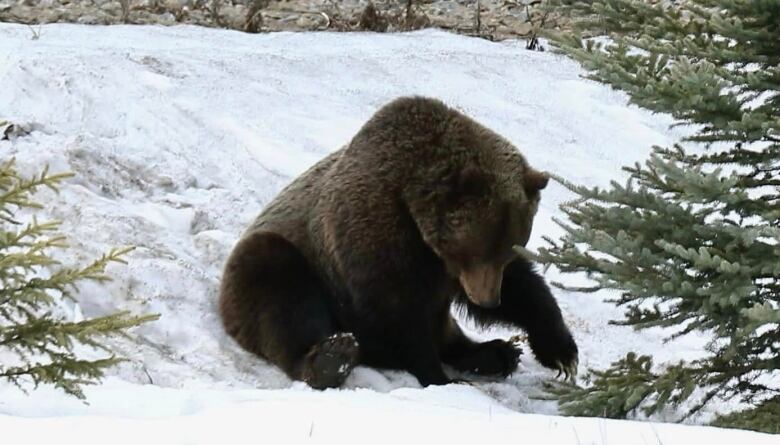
(37, 345)
(692, 239)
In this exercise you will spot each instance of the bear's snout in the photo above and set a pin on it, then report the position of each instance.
(482, 285)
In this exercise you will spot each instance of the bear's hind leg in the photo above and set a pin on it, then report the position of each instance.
(330, 361)
(274, 305)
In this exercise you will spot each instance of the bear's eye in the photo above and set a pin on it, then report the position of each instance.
(455, 219)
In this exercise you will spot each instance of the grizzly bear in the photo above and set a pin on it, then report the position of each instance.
(359, 260)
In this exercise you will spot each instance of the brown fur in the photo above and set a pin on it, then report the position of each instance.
(379, 238)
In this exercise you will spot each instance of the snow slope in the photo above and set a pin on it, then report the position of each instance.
(179, 136)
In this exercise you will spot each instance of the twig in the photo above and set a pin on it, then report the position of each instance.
(327, 25)
(35, 34)
(478, 19)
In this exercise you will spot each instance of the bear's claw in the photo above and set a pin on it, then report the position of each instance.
(569, 371)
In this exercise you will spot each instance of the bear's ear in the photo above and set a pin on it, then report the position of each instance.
(535, 181)
(471, 182)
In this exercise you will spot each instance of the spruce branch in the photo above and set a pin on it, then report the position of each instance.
(40, 341)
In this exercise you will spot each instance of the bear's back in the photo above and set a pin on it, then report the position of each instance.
(290, 212)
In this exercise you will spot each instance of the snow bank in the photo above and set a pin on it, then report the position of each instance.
(133, 414)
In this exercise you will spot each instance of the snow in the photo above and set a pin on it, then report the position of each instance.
(179, 135)
(132, 414)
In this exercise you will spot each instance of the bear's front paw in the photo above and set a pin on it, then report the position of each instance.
(497, 357)
(556, 350)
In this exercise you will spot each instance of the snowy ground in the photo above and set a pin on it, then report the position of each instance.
(179, 136)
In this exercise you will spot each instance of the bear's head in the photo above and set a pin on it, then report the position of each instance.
(472, 215)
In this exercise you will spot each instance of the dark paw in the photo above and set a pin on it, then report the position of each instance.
(556, 350)
(435, 380)
(497, 357)
(329, 362)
